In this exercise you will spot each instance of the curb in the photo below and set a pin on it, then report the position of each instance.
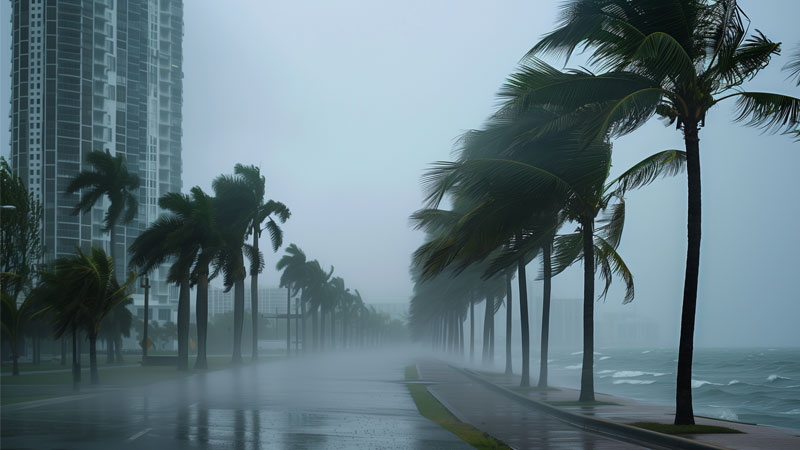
(597, 425)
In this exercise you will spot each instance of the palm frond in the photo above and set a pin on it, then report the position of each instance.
(661, 164)
(770, 112)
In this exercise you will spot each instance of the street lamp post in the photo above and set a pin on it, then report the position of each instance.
(144, 282)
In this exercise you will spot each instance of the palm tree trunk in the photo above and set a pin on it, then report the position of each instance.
(288, 322)
(333, 328)
(315, 329)
(14, 357)
(547, 272)
(109, 350)
(94, 375)
(523, 321)
(63, 352)
(201, 312)
(491, 332)
(76, 360)
(118, 347)
(297, 326)
(509, 305)
(471, 331)
(486, 314)
(684, 414)
(587, 371)
(238, 320)
(254, 299)
(321, 329)
(183, 323)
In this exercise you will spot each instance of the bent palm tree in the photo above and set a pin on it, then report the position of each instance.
(83, 291)
(171, 238)
(234, 198)
(259, 213)
(676, 60)
(109, 177)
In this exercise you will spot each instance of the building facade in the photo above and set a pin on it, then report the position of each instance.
(96, 75)
(271, 300)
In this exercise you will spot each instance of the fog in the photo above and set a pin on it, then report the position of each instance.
(343, 105)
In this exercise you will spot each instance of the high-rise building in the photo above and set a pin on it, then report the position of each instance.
(96, 75)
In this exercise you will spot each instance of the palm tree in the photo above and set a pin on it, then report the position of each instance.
(259, 213)
(172, 238)
(116, 325)
(109, 177)
(202, 223)
(83, 291)
(234, 200)
(295, 277)
(676, 60)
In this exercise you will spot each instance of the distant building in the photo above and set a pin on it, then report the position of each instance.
(271, 300)
(96, 75)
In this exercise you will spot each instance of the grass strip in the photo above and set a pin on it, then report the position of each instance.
(668, 428)
(429, 407)
(569, 403)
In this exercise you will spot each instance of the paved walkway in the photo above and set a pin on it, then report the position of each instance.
(628, 411)
(516, 424)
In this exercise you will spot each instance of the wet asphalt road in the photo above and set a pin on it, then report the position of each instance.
(334, 402)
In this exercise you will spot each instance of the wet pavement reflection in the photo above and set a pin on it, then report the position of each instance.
(353, 401)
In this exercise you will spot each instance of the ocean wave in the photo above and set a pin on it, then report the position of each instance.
(603, 372)
(732, 382)
(635, 373)
(604, 357)
(699, 383)
(794, 411)
(645, 352)
(634, 381)
(574, 366)
(775, 377)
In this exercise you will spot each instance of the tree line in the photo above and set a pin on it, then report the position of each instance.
(534, 181)
(198, 237)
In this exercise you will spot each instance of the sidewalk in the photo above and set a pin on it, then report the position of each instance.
(516, 424)
(629, 411)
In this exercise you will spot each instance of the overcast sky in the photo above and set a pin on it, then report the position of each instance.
(344, 104)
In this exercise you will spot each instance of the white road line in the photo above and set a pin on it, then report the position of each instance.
(45, 402)
(138, 435)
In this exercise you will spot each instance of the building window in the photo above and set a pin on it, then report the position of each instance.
(164, 314)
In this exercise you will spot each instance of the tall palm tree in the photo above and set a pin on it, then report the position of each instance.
(676, 60)
(83, 290)
(203, 226)
(295, 277)
(234, 200)
(265, 213)
(109, 177)
(171, 238)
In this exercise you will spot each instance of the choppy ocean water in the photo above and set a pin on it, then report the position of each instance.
(749, 385)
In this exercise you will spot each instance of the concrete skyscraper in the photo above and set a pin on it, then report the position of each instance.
(96, 75)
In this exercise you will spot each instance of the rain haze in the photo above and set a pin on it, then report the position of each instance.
(344, 106)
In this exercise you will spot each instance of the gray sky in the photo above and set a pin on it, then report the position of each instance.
(344, 104)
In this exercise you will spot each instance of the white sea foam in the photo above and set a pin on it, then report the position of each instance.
(636, 373)
(734, 382)
(698, 383)
(634, 381)
(603, 372)
(604, 357)
(646, 351)
(574, 366)
(774, 377)
(727, 414)
(576, 353)
(793, 412)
